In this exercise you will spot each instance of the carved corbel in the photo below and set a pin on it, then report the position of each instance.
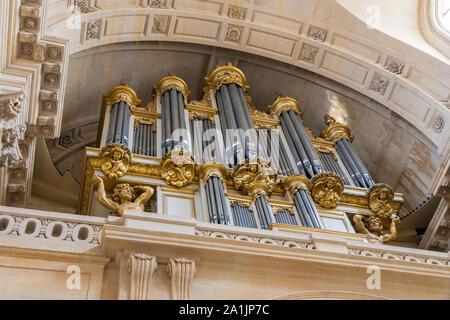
(141, 267)
(181, 271)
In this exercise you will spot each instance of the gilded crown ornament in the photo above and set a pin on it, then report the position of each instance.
(115, 160)
(123, 93)
(283, 104)
(253, 174)
(124, 196)
(177, 168)
(172, 82)
(296, 182)
(224, 75)
(336, 131)
(327, 188)
(212, 169)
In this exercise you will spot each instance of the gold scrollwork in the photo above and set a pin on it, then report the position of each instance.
(242, 203)
(327, 188)
(263, 120)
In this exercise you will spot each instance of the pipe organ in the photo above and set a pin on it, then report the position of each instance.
(221, 160)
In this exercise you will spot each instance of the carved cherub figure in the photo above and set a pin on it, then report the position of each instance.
(380, 202)
(123, 197)
(327, 189)
(115, 160)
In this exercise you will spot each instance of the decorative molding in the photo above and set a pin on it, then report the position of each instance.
(51, 229)
(93, 29)
(141, 267)
(181, 272)
(160, 24)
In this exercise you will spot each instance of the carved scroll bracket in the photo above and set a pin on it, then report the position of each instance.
(141, 267)
(181, 272)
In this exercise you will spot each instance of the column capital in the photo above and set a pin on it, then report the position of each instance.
(212, 169)
(336, 131)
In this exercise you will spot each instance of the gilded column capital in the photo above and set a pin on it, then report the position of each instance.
(336, 131)
(181, 272)
(283, 104)
(224, 75)
(326, 189)
(296, 182)
(212, 169)
(141, 267)
(172, 82)
(177, 168)
(123, 93)
(253, 174)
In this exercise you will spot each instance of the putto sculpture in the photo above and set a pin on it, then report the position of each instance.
(381, 224)
(115, 160)
(177, 168)
(327, 189)
(124, 196)
(253, 172)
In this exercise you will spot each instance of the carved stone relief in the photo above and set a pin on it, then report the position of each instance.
(181, 271)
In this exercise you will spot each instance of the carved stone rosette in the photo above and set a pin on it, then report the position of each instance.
(181, 271)
(141, 267)
(336, 131)
(115, 160)
(254, 174)
(177, 168)
(326, 189)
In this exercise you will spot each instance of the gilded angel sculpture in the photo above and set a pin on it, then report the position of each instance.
(123, 197)
(115, 160)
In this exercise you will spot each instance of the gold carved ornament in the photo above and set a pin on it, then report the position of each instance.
(253, 175)
(124, 196)
(381, 224)
(336, 131)
(172, 82)
(277, 209)
(212, 169)
(147, 115)
(115, 160)
(326, 189)
(177, 168)
(262, 120)
(242, 203)
(224, 75)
